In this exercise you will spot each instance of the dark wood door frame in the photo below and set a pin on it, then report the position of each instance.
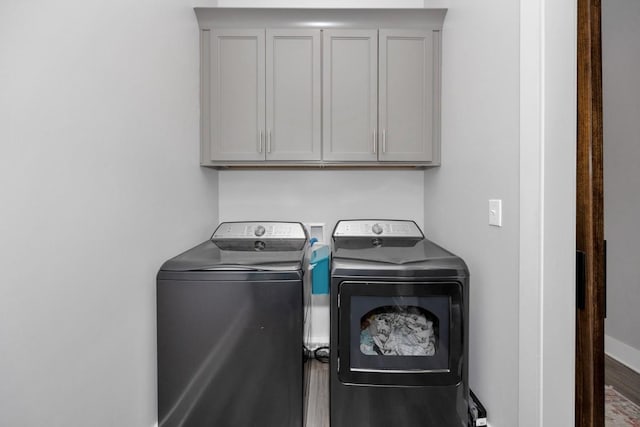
(590, 219)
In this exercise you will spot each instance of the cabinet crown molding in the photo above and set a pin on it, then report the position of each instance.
(229, 17)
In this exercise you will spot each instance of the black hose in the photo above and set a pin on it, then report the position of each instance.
(321, 354)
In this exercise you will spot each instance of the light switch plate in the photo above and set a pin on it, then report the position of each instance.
(495, 212)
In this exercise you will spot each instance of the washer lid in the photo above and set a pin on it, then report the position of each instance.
(246, 246)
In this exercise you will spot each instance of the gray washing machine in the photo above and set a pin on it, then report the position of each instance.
(399, 328)
(230, 327)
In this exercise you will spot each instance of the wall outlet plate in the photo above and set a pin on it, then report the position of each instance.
(316, 229)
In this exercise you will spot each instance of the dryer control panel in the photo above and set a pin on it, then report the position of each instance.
(377, 228)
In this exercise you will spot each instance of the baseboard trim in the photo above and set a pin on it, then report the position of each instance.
(622, 352)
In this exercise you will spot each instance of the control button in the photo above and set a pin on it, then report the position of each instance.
(259, 231)
(377, 229)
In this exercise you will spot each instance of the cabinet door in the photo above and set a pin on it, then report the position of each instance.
(350, 96)
(407, 76)
(237, 97)
(293, 94)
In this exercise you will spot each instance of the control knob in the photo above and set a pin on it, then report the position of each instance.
(260, 230)
(377, 229)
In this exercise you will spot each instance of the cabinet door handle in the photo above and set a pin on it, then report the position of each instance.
(269, 142)
(374, 138)
(260, 139)
(384, 140)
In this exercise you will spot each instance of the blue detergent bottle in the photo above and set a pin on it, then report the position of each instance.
(319, 266)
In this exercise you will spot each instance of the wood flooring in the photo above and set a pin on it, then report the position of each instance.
(317, 392)
(622, 378)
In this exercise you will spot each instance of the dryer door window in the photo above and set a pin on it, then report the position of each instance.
(400, 333)
(410, 333)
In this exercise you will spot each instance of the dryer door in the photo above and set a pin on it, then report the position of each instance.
(400, 333)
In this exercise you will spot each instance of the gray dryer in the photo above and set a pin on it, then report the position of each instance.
(399, 328)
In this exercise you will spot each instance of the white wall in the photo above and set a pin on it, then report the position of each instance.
(483, 65)
(533, 357)
(508, 132)
(99, 183)
(321, 196)
(480, 161)
(324, 196)
(621, 99)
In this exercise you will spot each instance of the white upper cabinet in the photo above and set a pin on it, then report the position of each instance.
(379, 97)
(320, 87)
(263, 98)
(350, 95)
(237, 92)
(406, 106)
(293, 95)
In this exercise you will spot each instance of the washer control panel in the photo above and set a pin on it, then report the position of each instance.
(377, 228)
(262, 230)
